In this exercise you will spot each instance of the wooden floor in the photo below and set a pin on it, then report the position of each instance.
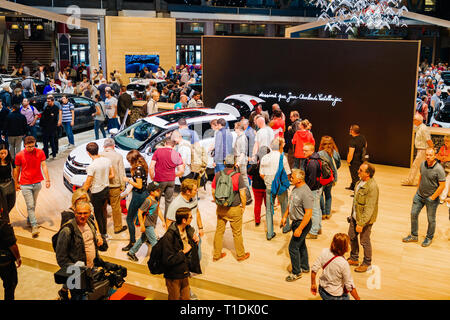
(400, 271)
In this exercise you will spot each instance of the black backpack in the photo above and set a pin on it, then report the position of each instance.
(56, 235)
(155, 263)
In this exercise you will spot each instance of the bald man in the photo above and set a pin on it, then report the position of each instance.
(422, 141)
(264, 136)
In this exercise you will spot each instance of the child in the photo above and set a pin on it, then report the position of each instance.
(147, 216)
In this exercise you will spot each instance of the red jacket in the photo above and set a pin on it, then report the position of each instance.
(300, 138)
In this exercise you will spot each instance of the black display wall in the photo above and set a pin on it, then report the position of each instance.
(332, 83)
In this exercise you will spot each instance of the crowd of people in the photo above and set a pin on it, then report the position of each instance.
(430, 90)
(114, 105)
(267, 161)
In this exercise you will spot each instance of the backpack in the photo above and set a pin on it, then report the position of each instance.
(326, 173)
(155, 263)
(281, 181)
(198, 158)
(224, 194)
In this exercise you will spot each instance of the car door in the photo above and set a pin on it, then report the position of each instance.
(83, 112)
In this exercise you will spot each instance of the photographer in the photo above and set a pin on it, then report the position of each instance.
(76, 243)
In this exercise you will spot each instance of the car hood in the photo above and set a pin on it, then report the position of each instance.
(80, 155)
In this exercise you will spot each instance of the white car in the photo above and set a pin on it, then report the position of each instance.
(441, 118)
(140, 85)
(239, 105)
(145, 135)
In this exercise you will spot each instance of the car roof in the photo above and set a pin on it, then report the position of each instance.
(59, 95)
(146, 81)
(168, 119)
(245, 97)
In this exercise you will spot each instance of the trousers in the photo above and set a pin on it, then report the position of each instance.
(178, 289)
(364, 237)
(234, 216)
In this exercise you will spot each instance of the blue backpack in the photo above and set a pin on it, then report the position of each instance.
(281, 182)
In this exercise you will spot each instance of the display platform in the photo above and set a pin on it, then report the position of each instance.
(400, 271)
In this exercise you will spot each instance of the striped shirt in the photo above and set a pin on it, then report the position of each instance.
(67, 112)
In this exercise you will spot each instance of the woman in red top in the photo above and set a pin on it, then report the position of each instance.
(277, 124)
(301, 137)
(430, 84)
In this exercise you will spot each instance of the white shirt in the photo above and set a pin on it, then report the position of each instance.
(269, 166)
(99, 170)
(110, 107)
(184, 148)
(336, 275)
(68, 89)
(264, 137)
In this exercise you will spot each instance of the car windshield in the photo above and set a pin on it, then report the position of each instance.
(444, 114)
(134, 86)
(136, 135)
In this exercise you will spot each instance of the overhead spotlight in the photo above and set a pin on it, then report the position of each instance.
(39, 27)
(15, 26)
(26, 27)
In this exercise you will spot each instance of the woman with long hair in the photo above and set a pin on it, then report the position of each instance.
(329, 151)
(336, 280)
(7, 184)
(139, 173)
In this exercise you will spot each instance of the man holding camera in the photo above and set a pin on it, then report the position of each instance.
(364, 214)
(78, 241)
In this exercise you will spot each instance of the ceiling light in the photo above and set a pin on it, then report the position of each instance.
(344, 15)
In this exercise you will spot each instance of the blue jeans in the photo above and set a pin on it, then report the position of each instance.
(113, 123)
(270, 200)
(136, 201)
(325, 206)
(68, 130)
(418, 203)
(326, 296)
(32, 131)
(98, 124)
(297, 249)
(317, 213)
(219, 167)
(30, 193)
(151, 237)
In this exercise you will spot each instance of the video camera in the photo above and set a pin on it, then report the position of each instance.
(96, 282)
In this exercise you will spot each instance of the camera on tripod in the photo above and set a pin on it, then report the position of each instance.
(97, 282)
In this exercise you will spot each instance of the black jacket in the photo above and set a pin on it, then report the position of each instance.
(3, 114)
(70, 247)
(177, 265)
(312, 172)
(49, 119)
(16, 124)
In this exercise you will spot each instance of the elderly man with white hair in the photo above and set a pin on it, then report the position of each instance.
(422, 142)
(264, 136)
